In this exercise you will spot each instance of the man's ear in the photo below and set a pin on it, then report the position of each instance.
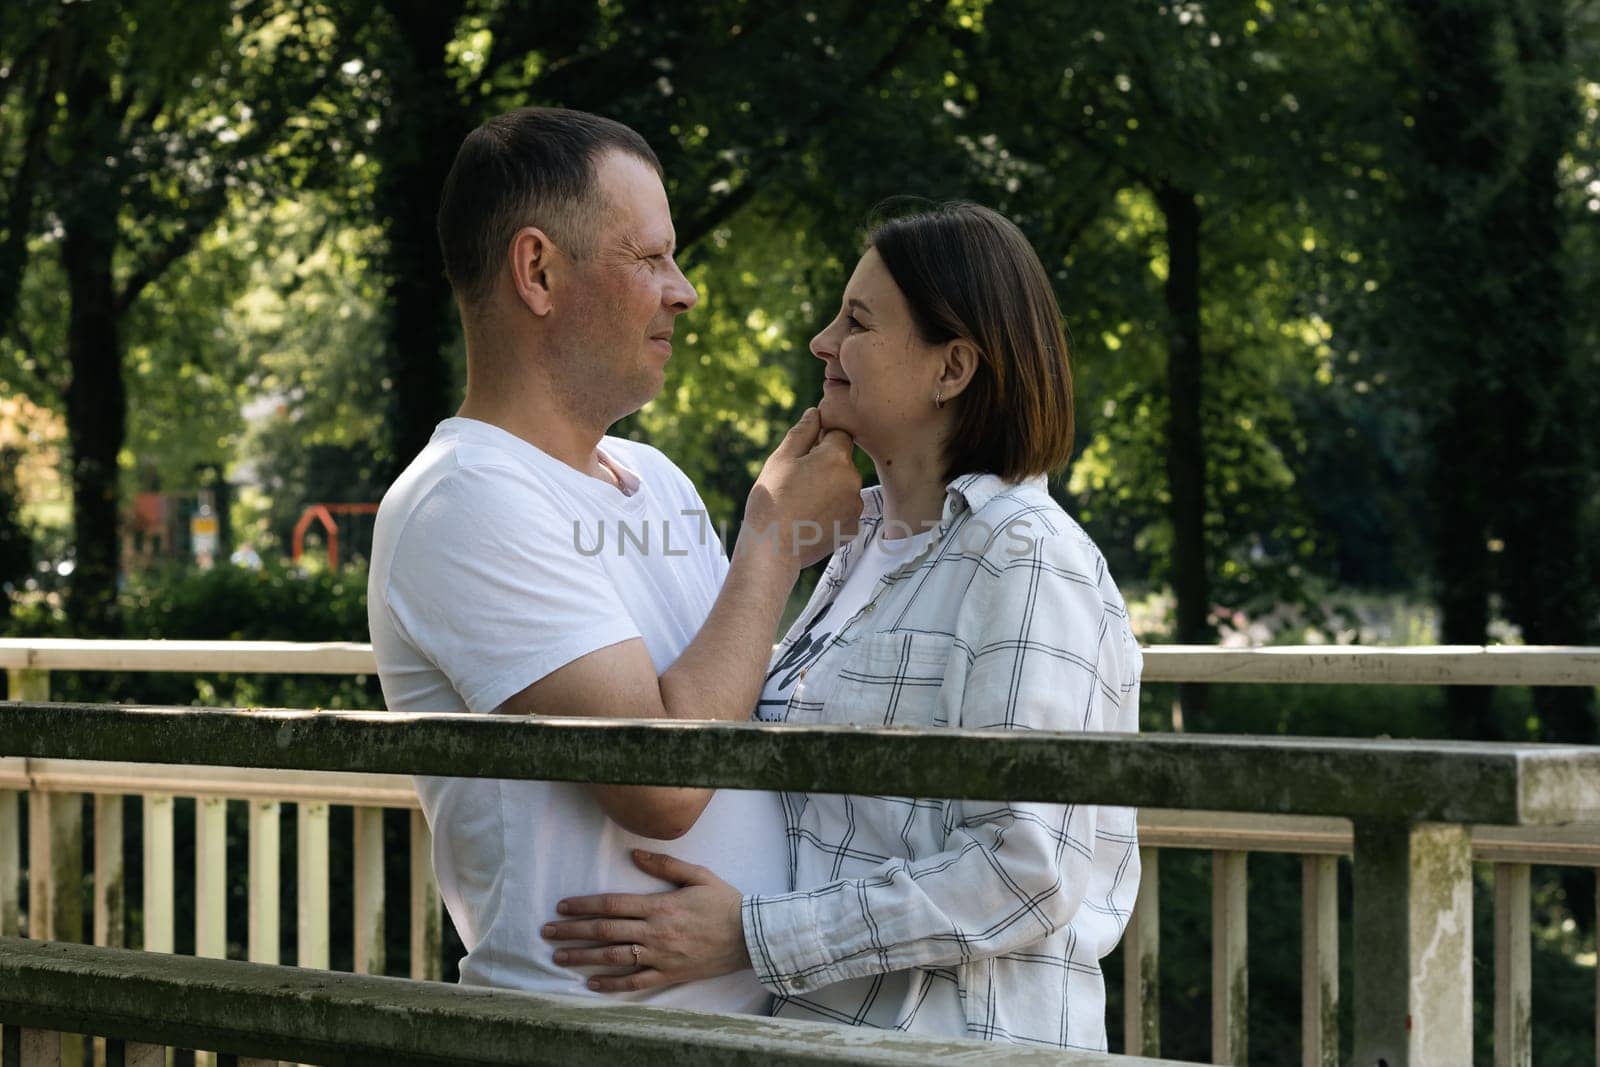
(960, 364)
(534, 261)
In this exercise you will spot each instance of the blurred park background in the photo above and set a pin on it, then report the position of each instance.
(1331, 273)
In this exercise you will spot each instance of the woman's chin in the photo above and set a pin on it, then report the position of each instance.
(833, 414)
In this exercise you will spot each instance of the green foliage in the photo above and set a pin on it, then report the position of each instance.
(186, 368)
(242, 604)
(307, 322)
(1286, 118)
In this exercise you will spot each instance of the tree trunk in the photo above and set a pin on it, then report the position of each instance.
(16, 547)
(1450, 315)
(1462, 563)
(1186, 455)
(96, 396)
(423, 127)
(41, 88)
(1547, 444)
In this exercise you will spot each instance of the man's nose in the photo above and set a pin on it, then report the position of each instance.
(681, 294)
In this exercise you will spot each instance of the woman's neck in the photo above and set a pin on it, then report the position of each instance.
(913, 491)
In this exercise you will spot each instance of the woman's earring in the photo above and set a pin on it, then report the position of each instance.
(938, 399)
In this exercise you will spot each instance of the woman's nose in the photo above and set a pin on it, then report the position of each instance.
(822, 345)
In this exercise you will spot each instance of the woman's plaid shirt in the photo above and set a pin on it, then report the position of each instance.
(1007, 621)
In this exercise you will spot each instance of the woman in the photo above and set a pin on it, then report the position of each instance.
(968, 599)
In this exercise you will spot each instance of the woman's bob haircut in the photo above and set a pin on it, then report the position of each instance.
(969, 274)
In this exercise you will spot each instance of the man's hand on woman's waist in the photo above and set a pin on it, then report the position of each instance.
(660, 939)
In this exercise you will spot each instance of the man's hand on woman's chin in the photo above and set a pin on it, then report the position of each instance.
(681, 935)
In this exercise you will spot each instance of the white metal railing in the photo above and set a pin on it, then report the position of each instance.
(53, 786)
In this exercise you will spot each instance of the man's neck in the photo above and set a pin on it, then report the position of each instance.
(535, 412)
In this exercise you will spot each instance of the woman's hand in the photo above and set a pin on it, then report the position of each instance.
(680, 935)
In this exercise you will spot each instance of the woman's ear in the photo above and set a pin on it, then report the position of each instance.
(960, 364)
(533, 263)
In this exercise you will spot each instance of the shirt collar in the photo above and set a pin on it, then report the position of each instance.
(965, 492)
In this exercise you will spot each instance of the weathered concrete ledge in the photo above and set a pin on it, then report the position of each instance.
(310, 1016)
(1414, 781)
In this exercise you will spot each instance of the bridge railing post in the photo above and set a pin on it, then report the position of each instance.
(1413, 943)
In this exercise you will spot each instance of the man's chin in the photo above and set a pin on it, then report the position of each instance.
(643, 393)
(651, 383)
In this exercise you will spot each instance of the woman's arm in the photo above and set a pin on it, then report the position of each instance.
(1051, 651)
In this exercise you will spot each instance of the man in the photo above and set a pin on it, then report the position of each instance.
(526, 563)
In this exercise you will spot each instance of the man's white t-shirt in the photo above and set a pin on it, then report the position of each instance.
(494, 564)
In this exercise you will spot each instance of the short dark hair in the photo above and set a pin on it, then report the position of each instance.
(534, 166)
(968, 273)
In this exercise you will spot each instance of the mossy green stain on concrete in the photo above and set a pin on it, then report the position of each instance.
(1150, 1015)
(430, 939)
(1329, 1053)
(1239, 1018)
(377, 958)
(26, 683)
(114, 918)
(1381, 997)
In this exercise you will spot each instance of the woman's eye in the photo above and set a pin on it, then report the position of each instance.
(852, 323)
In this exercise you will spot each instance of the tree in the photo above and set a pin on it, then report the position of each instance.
(142, 147)
(1550, 384)
(1156, 121)
(1478, 251)
(424, 116)
(16, 547)
(708, 87)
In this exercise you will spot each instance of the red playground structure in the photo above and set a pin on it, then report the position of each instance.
(324, 513)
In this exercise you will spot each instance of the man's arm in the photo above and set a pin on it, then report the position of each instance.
(808, 484)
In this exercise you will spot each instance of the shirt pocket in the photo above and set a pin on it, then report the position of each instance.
(893, 678)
